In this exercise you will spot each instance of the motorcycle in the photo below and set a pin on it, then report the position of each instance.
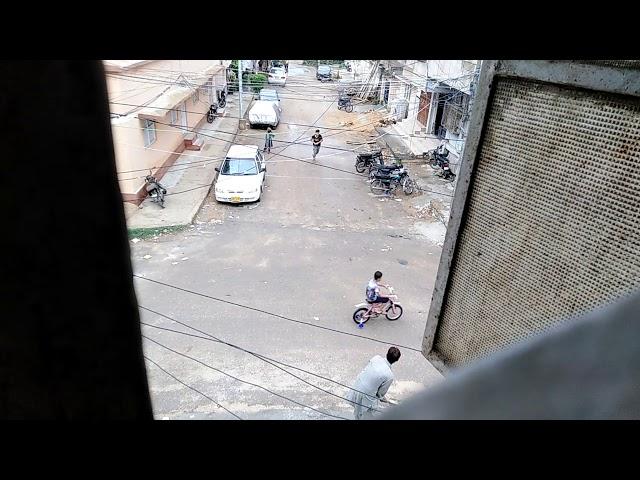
(344, 103)
(348, 66)
(212, 113)
(437, 157)
(386, 179)
(446, 172)
(155, 190)
(365, 311)
(223, 100)
(364, 160)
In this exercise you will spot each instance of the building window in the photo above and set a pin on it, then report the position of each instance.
(175, 116)
(149, 129)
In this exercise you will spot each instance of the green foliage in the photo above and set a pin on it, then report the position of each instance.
(257, 81)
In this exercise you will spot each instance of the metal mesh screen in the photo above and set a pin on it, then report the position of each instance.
(553, 217)
(633, 64)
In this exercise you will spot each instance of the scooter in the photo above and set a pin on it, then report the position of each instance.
(155, 190)
(365, 311)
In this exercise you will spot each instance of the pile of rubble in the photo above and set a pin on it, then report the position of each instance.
(387, 121)
(430, 210)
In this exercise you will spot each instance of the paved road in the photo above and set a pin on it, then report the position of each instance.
(304, 252)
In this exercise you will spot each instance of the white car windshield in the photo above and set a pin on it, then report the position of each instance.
(323, 69)
(239, 166)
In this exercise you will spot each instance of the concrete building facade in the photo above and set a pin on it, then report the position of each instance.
(155, 107)
(430, 99)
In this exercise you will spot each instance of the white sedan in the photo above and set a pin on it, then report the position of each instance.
(277, 76)
(241, 176)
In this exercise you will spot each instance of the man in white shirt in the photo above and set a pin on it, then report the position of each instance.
(372, 384)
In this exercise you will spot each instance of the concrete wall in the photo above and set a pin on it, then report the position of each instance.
(442, 70)
(138, 85)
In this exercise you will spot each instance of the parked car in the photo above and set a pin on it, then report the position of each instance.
(264, 113)
(241, 175)
(323, 73)
(269, 95)
(277, 76)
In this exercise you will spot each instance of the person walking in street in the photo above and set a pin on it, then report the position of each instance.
(317, 141)
(372, 384)
(268, 140)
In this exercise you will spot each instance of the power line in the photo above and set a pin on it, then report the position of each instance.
(325, 127)
(215, 339)
(296, 159)
(240, 380)
(204, 295)
(192, 388)
(268, 361)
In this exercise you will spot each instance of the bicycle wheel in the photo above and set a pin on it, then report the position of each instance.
(390, 312)
(359, 315)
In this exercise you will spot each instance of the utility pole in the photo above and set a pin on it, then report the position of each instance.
(381, 91)
(240, 85)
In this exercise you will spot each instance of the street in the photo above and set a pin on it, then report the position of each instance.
(305, 252)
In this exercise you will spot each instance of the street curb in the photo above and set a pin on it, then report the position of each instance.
(215, 177)
(145, 232)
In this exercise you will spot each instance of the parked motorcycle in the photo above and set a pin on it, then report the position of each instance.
(344, 103)
(223, 99)
(446, 172)
(437, 156)
(212, 113)
(155, 190)
(368, 160)
(386, 178)
(348, 66)
(438, 159)
(365, 311)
